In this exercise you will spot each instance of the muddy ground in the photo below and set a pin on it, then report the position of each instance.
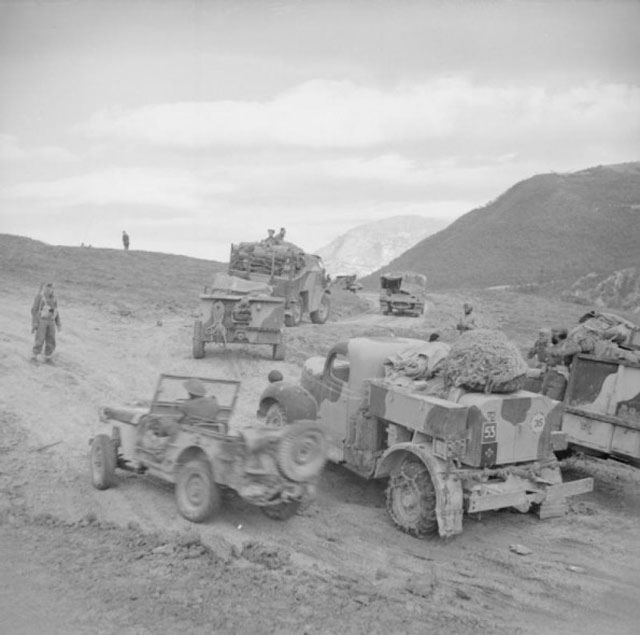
(77, 560)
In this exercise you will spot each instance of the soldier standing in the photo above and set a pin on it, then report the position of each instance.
(125, 240)
(468, 320)
(44, 320)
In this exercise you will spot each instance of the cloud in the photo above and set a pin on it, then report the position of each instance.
(12, 150)
(341, 114)
(164, 188)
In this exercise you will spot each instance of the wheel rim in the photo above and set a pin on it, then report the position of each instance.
(406, 502)
(195, 490)
(276, 418)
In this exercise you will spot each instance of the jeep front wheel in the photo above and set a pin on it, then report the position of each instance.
(197, 494)
(102, 459)
(411, 498)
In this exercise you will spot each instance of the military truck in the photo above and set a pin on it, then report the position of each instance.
(348, 283)
(602, 408)
(234, 310)
(273, 469)
(294, 275)
(470, 452)
(402, 292)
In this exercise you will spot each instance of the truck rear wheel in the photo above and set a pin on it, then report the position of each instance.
(197, 494)
(102, 459)
(198, 340)
(281, 511)
(321, 315)
(295, 317)
(411, 498)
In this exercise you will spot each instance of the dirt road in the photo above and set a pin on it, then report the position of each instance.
(79, 560)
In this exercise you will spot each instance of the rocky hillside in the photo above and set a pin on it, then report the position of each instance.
(551, 227)
(619, 290)
(368, 247)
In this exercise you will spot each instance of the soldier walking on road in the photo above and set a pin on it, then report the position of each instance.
(125, 240)
(44, 320)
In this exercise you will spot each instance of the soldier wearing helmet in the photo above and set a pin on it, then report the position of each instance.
(199, 407)
(468, 321)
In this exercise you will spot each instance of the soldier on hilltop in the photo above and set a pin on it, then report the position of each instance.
(125, 240)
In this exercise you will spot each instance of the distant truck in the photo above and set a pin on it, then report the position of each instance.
(602, 408)
(234, 310)
(273, 469)
(403, 292)
(473, 453)
(348, 283)
(294, 275)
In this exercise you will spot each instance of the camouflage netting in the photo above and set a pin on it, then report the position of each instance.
(483, 360)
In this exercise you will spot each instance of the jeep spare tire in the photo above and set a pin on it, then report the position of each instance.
(302, 452)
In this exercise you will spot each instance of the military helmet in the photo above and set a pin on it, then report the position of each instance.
(467, 306)
(195, 387)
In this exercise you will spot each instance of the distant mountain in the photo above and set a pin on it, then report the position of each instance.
(368, 247)
(551, 227)
(618, 290)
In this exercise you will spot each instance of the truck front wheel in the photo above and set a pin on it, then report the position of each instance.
(197, 494)
(321, 314)
(411, 498)
(276, 416)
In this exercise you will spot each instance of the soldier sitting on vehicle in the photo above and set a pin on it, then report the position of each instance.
(270, 239)
(279, 239)
(198, 408)
(158, 430)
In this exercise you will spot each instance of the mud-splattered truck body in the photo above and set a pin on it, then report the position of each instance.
(602, 408)
(469, 452)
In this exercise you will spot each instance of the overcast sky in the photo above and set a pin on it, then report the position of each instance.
(194, 124)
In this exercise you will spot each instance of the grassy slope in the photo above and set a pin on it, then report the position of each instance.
(106, 277)
(548, 227)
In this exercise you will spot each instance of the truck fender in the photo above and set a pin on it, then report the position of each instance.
(448, 488)
(296, 401)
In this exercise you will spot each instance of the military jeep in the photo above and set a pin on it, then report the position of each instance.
(273, 469)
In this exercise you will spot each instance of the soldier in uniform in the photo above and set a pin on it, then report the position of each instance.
(270, 239)
(540, 346)
(468, 320)
(125, 240)
(44, 320)
(198, 407)
(280, 236)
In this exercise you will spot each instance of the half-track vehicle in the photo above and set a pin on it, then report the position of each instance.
(273, 469)
(294, 275)
(403, 292)
(234, 310)
(470, 452)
